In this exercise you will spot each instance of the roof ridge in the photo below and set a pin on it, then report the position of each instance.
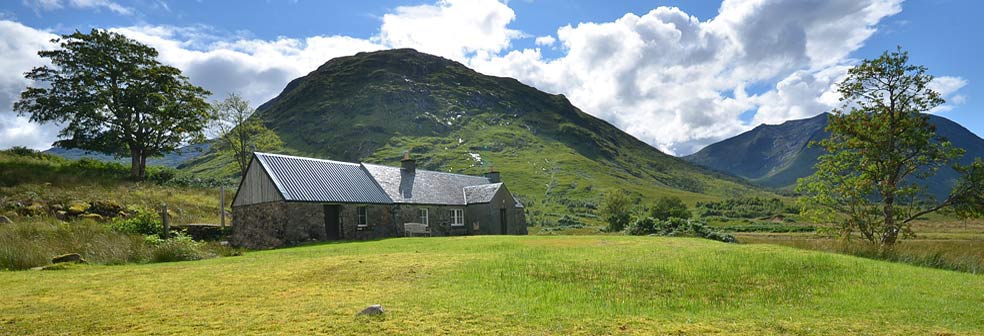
(306, 158)
(425, 170)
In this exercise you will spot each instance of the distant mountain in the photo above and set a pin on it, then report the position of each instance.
(776, 155)
(374, 106)
(172, 159)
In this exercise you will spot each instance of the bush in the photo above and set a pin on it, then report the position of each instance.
(676, 227)
(140, 222)
(667, 207)
(746, 207)
(180, 247)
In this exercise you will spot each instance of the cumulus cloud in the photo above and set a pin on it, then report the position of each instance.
(18, 54)
(546, 40)
(664, 76)
(110, 5)
(679, 83)
(456, 29)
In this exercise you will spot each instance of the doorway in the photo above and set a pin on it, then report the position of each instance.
(332, 224)
(503, 221)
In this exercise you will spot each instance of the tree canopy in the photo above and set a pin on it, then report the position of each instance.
(112, 96)
(881, 149)
(241, 135)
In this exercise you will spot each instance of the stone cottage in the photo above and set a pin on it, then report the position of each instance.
(284, 200)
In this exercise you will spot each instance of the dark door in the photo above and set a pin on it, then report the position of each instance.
(332, 227)
(503, 221)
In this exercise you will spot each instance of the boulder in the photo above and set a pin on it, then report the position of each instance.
(35, 209)
(92, 216)
(5, 220)
(78, 207)
(372, 310)
(107, 208)
(68, 258)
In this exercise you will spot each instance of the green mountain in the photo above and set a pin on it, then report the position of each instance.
(776, 155)
(171, 159)
(372, 107)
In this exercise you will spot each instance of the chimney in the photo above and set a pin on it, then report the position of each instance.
(493, 175)
(407, 164)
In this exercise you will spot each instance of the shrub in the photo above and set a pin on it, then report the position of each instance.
(180, 247)
(746, 207)
(140, 222)
(667, 207)
(676, 227)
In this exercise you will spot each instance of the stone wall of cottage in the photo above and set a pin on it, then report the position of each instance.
(380, 222)
(439, 218)
(259, 226)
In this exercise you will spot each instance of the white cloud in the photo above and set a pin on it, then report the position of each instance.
(456, 29)
(947, 87)
(666, 77)
(18, 54)
(678, 83)
(546, 40)
(80, 4)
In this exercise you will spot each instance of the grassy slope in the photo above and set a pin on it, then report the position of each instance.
(373, 106)
(501, 285)
(49, 180)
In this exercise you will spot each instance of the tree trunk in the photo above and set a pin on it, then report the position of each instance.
(138, 164)
(891, 230)
(135, 171)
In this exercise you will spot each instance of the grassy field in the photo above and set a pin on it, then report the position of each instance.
(501, 285)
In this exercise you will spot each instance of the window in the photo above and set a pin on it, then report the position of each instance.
(423, 216)
(457, 217)
(362, 214)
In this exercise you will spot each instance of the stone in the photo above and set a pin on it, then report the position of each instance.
(5, 220)
(78, 207)
(107, 208)
(35, 209)
(372, 310)
(92, 216)
(68, 258)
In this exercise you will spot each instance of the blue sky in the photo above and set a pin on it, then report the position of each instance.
(678, 77)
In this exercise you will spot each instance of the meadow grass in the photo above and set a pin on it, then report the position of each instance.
(501, 285)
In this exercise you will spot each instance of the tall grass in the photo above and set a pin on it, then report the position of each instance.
(26, 245)
(956, 255)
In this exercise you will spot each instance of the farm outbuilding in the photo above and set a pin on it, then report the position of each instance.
(284, 200)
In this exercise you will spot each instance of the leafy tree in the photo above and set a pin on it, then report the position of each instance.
(240, 134)
(114, 97)
(881, 149)
(669, 206)
(617, 210)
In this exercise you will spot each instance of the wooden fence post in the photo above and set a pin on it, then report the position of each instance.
(222, 206)
(166, 222)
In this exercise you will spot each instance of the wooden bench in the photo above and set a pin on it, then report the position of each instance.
(409, 229)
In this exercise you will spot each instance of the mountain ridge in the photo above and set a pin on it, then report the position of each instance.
(755, 154)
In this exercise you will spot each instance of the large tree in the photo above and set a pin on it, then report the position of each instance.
(239, 133)
(113, 96)
(881, 149)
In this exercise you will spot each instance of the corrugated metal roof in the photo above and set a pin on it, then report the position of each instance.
(481, 193)
(315, 180)
(423, 186)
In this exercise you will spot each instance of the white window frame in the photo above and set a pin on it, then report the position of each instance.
(424, 216)
(362, 216)
(457, 217)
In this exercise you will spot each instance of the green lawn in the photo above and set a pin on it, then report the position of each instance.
(501, 285)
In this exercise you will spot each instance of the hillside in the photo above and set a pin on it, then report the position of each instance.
(776, 155)
(501, 285)
(172, 159)
(372, 107)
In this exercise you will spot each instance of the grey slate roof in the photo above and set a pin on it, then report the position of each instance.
(423, 186)
(481, 193)
(314, 180)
